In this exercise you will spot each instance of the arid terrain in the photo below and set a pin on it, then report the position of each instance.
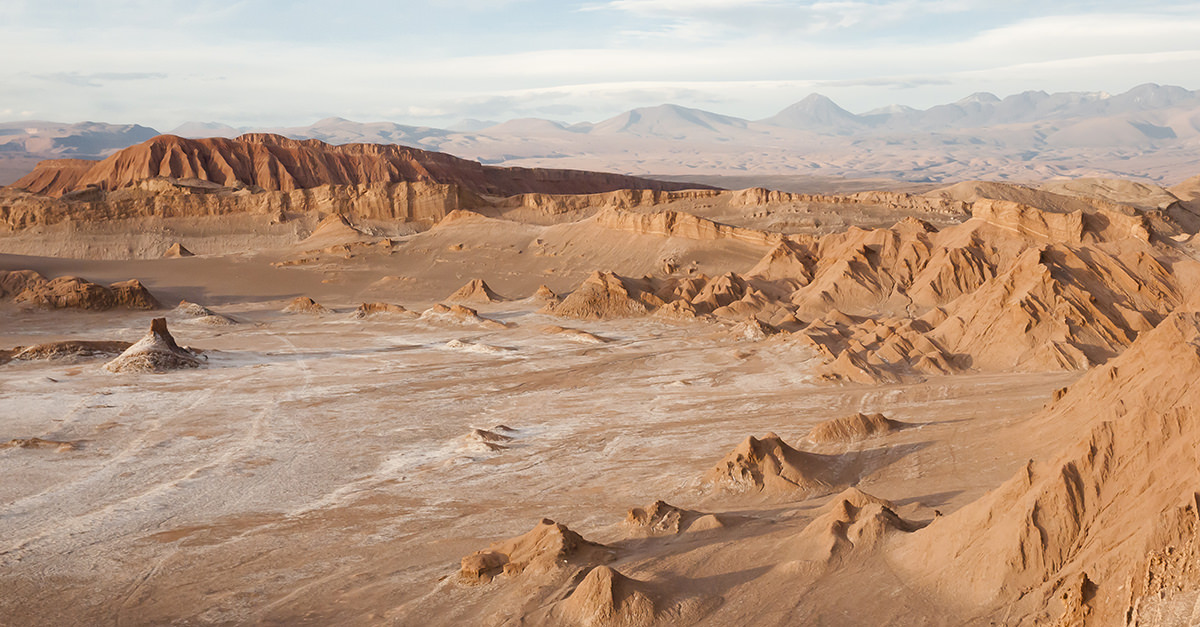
(270, 381)
(1149, 133)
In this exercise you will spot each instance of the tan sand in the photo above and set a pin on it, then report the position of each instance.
(978, 405)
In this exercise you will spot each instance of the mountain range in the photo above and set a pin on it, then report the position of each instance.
(1150, 132)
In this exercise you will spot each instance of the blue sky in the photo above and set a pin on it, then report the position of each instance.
(277, 62)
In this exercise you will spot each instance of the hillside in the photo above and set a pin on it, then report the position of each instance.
(276, 163)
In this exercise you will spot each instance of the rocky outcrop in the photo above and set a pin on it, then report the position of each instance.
(418, 202)
(305, 305)
(276, 163)
(69, 350)
(16, 281)
(858, 426)
(459, 315)
(662, 518)
(178, 250)
(195, 312)
(156, 352)
(1116, 512)
(853, 522)
(602, 296)
(606, 597)
(684, 225)
(70, 292)
(367, 310)
(546, 548)
(476, 291)
(768, 465)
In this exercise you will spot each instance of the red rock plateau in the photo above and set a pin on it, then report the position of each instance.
(979, 403)
(276, 163)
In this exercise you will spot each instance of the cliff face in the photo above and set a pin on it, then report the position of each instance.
(276, 163)
(422, 203)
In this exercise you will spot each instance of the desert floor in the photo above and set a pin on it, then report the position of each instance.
(320, 469)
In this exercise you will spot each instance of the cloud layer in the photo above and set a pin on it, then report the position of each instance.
(291, 62)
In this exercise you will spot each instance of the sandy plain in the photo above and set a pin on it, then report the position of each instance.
(318, 468)
(633, 427)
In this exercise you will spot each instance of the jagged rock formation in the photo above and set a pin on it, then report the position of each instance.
(1110, 522)
(14, 282)
(769, 466)
(662, 518)
(603, 295)
(548, 547)
(156, 352)
(1014, 288)
(70, 292)
(545, 295)
(549, 208)
(788, 261)
(476, 291)
(416, 202)
(854, 427)
(276, 163)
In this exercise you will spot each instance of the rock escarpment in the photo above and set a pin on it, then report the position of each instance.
(276, 163)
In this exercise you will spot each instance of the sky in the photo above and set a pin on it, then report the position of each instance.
(260, 63)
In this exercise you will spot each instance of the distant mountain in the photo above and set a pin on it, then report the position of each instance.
(196, 130)
(343, 131)
(526, 126)
(470, 124)
(58, 140)
(819, 114)
(1149, 131)
(670, 122)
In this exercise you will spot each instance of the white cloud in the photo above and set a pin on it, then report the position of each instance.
(707, 53)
